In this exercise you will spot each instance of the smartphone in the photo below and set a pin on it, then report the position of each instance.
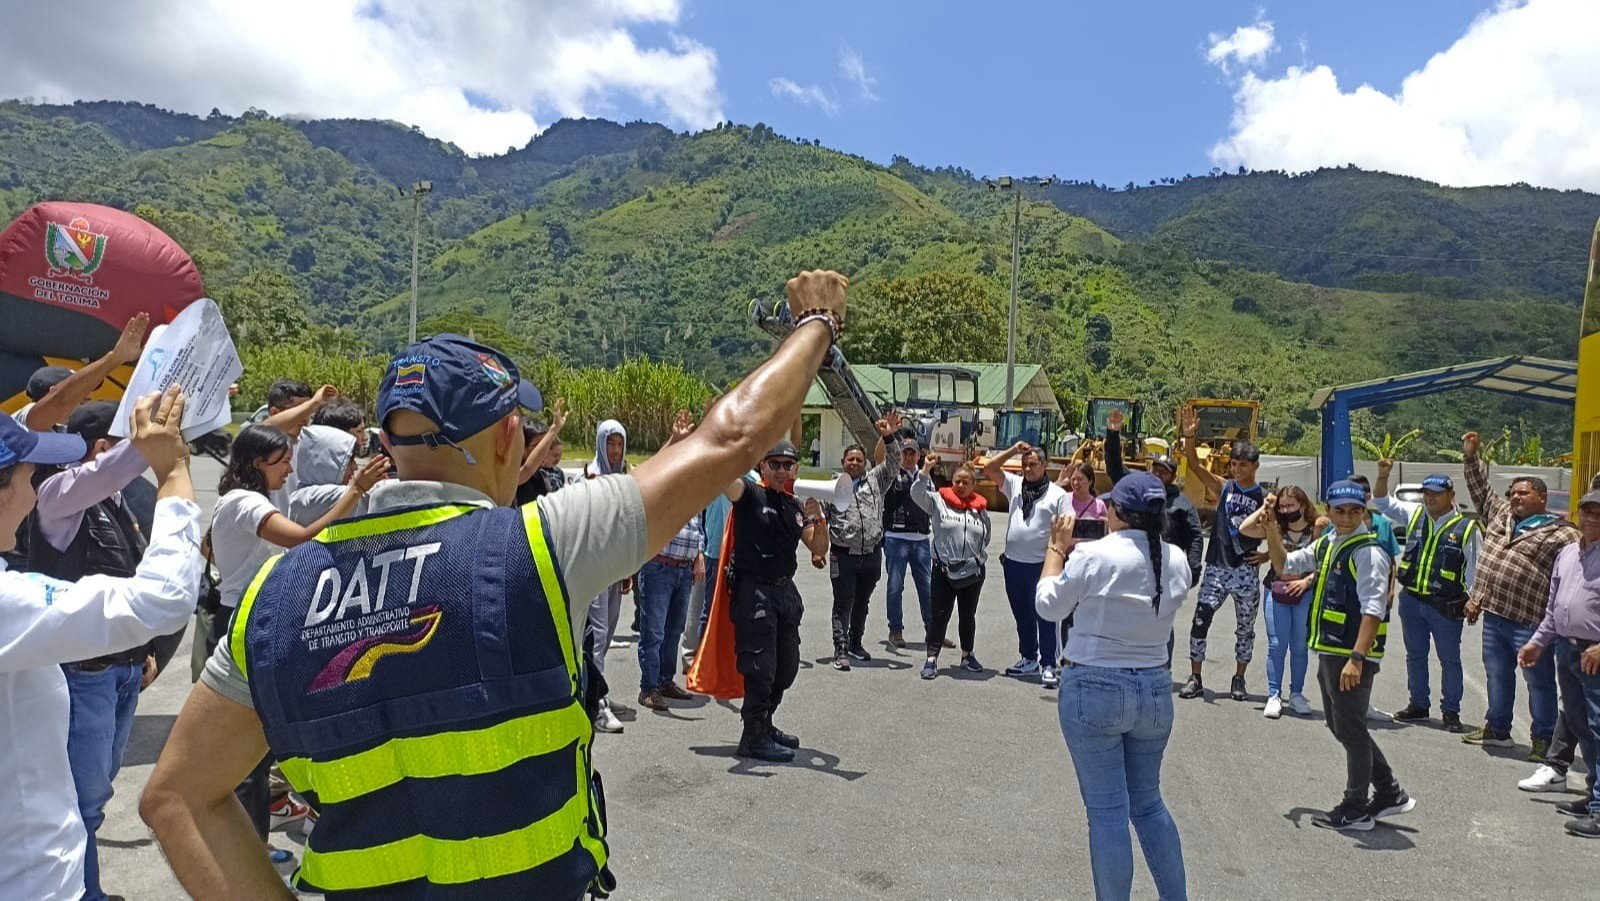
(1089, 529)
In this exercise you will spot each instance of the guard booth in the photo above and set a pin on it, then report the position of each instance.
(1553, 381)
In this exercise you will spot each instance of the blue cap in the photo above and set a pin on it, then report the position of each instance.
(1344, 492)
(1438, 482)
(462, 386)
(20, 444)
(1138, 492)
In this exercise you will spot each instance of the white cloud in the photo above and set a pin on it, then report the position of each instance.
(408, 60)
(1247, 46)
(1513, 99)
(855, 71)
(808, 95)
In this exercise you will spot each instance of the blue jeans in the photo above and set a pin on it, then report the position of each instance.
(1288, 631)
(1580, 700)
(1116, 723)
(663, 603)
(1036, 638)
(1419, 623)
(897, 553)
(1502, 638)
(102, 705)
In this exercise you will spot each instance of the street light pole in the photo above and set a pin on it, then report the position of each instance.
(1011, 332)
(417, 191)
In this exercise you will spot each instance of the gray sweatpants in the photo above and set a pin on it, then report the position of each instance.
(604, 611)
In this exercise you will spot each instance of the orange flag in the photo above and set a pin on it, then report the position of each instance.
(715, 670)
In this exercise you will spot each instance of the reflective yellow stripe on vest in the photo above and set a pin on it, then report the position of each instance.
(1430, 548)
(241, 615)
(544, 562)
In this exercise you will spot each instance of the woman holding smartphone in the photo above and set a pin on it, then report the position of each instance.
(1116, 691)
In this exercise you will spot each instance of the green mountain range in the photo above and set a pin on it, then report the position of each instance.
(598, 242)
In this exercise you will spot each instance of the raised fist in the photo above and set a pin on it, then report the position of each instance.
(1114, 421)
(817, 289)
(1384, 468)
(1469, 445)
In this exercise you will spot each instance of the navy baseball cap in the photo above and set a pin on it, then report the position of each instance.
(1438, 482)
(1138, 492)
(20, 444)
(44, 378)
(782, 449)
(462, 386)
(1344, 493)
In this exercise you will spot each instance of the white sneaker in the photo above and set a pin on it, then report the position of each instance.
(1378, 716)
(1274, 708)
(1050, 678)
(606, 721)
(1299, 704)
(1544, 779)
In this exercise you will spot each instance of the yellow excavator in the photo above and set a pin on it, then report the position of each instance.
(1222, 422)
(1092, 450)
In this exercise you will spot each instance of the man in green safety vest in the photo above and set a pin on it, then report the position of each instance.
(1349, 622)
(1435, 573)
(418, 671)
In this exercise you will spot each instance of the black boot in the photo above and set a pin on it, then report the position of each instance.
(781, 737)
(757, 744)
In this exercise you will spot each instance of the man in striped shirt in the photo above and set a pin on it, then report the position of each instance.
(1511, 587)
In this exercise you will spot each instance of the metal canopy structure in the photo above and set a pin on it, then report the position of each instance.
(1536, 378)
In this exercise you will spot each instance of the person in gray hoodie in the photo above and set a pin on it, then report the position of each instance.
(610, 458)
(960, 519)
(324, 460)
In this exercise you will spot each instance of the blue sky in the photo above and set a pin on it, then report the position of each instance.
(1458, 91)
(1104, 90)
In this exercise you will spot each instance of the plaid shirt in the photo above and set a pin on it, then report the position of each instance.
(1513, 576)
(690, 542)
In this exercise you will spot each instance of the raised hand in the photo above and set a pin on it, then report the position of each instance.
(1190, 423)
(558, 415)
(1061, 528)
(682, 425)
(1384, 468)
(1115, 420)
(131, 339)
(1469, 445)
(889, 424)
(158, 431)
(929, 462)
(817, 289)
(371, 473)
(325, 395)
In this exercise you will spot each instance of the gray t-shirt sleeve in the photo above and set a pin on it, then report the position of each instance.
(223, 676)
(597, 533)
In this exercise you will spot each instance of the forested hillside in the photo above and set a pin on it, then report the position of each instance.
(599, 242)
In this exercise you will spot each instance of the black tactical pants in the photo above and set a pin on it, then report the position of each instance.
(766, 641)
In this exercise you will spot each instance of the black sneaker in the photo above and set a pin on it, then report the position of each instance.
(1577, 807)
(1453, 723)
(1237, 691)
(1587, 827)
(1411, 713)
(841, 663)
(762, 747)
(860, 653)
(1345, 818)
(1390, 805)
(1192, 688)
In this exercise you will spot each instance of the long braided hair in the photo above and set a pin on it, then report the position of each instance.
(1152, 523)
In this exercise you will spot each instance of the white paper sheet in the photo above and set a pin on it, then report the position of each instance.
(196, 351)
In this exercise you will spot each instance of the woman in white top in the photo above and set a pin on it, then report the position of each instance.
(1116, 689)
(46, 622)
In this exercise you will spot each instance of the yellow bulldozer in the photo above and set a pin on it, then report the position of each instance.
(1136, 449)
(1222, 422)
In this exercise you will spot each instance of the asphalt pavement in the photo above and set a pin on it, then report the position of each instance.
(961, 787)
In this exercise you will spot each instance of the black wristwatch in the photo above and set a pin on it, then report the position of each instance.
(1358, 657)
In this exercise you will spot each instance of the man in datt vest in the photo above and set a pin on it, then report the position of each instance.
(1435, 574)
(417, 672)
(1349, 621)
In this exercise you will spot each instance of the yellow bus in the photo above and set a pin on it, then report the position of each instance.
(1586, 417)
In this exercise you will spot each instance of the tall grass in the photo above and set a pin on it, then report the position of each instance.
(643, 395)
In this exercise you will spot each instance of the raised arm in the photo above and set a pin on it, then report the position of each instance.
(286, 533)
(681, 480)
(1492, 507)
(816, 531)
(1113, 447)
(995, 467)
(292, 420)
(54, 408)
(541, 448)
(921, 491)
(888, 452)
(1191, 453)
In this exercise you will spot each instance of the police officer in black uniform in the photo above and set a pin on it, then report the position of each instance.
(769, 523)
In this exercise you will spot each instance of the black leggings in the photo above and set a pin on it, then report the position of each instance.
(946, 598)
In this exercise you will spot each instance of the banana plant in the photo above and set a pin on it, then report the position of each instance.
(1387, 449)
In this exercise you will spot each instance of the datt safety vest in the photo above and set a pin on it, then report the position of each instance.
(1335, 606)
(417, 680)
(1434, 564)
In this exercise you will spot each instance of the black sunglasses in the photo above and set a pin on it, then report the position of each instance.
(781, 465)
